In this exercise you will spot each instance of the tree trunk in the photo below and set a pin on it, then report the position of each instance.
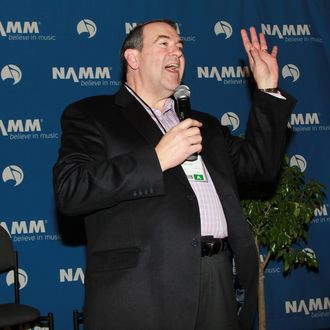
(261, 298)
(261, 287)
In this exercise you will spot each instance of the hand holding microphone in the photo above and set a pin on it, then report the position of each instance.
(183, 108)
(183, 140)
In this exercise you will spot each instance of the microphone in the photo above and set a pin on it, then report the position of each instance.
(183, 108)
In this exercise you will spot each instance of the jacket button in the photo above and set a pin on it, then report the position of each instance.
(194, 242)
(190, 197)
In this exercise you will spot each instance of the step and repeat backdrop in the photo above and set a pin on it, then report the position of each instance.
(55, 52)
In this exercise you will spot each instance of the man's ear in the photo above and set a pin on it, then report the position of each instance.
(131, 56)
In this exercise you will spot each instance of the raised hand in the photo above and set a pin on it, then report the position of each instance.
(263, 63)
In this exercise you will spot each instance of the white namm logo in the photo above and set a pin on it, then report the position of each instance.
(285, 30)
(17, 27)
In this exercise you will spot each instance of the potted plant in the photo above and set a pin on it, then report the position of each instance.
(279, 217)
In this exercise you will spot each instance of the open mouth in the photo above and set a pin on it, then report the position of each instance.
(172, 67)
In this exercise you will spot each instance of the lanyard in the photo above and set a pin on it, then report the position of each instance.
(148, 107)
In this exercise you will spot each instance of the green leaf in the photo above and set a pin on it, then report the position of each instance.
(279, 215)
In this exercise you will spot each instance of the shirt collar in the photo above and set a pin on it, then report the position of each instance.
(168, 104)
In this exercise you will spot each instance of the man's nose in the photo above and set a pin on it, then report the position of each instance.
(177, 51)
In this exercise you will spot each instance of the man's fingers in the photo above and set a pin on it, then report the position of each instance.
(192, 131)
(178, 143)
(196, 139)
(246, 41)
(263, 42)
(274, 51)
(255, 55)
(254, 38)
(189, 122)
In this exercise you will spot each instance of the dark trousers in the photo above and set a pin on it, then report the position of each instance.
(217, 303)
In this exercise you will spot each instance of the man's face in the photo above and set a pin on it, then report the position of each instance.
(161, 61)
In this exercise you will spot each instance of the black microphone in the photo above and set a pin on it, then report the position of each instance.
(183, 108)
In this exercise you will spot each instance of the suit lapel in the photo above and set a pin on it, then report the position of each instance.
(138, 117)
(144, 124)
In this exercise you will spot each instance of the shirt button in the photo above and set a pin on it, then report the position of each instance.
(194, 242)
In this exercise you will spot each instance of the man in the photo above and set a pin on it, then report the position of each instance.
(158, 243)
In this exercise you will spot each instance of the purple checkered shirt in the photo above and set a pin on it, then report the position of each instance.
(212, 217)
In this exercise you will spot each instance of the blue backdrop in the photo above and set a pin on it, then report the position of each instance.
(55, 52)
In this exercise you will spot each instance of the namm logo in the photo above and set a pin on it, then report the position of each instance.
(290, 32)
(16, 27)
(27, 231)
(20, 125)
(24, 226)
(129, 26)
(321, 215)
(321, 211)
(227, 74)
(285, 30)
(307, 122)
(309, 118)
(316, 307)
(72, 275)
(85, 76)
(304, 122)
(23, 30)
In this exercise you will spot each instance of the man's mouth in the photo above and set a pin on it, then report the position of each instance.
(173, 67)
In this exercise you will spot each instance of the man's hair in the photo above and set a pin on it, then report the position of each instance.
(134, 40)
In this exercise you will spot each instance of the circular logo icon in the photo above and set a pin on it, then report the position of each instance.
(13, 173)
(299, 161)
(11, 71)
(22, 278)
(291, 71)
(223, 27)
(230, 119)
(310, 252)
(87, 26)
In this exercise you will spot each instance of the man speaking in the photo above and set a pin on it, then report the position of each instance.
(161, 228)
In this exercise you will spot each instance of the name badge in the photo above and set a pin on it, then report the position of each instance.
(194, 170)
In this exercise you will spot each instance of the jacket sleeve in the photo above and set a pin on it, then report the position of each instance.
(86, 178)
(258, 156)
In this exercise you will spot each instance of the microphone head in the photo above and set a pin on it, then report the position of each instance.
(182, 91)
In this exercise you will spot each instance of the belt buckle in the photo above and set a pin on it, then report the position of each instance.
(206, 248)
(211, 248)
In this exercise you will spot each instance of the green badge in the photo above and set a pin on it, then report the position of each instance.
(198, 177)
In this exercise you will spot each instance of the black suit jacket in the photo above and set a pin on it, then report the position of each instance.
(142, 225)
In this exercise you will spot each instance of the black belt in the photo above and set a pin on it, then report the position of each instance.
(211, 245)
